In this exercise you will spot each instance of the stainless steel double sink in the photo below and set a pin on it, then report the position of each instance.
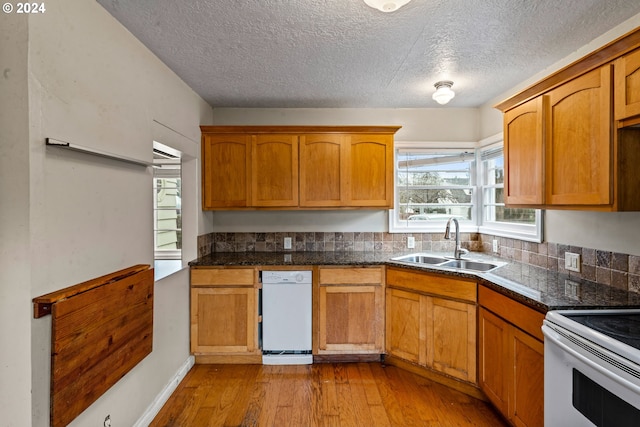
(461, 264)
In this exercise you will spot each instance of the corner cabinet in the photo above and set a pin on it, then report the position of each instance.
(224, 315)
(350, 311)
(564, 148)
(431, 323)
(511, 355)
(297, 167)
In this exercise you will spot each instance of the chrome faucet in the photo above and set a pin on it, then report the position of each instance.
(458, 251)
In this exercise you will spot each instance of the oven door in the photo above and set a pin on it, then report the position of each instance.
(587, 385)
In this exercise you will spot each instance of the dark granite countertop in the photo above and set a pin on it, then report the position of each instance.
(536, 287)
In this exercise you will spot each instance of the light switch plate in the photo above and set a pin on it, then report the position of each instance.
(572, 261)
(287, 242)
(494, 246)
(411, 242)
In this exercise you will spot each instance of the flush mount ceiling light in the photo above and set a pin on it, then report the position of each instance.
(443, 93)
(386, 5)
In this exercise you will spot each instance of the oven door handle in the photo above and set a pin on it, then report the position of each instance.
(554, 337)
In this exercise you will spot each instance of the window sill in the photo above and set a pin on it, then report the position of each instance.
(166, 267)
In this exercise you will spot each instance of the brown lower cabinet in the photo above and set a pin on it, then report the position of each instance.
(224, 315)
(511, 356)
(350, 311)
(431, 322)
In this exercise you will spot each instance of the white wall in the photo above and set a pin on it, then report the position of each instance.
(15, 296)
(74, 73)
(448, 125)
(617, 232)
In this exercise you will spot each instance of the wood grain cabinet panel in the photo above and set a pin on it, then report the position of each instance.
(493, 349)
(274, 167)
(526, 390)
(350, 310)
(370, 170)
(579, 141)
(224, 320)
(226, 177)
(432, 330)
(323, 181)
(406, 326)
(523, 153)
(627, 86)
(224, 315)
(452, 328)
(511, 360)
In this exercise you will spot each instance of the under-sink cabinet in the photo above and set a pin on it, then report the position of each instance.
(431, 323)
(224, 315)
(349, 311)
(511, 357)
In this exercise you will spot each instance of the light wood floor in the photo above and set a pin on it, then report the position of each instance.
(324, 394)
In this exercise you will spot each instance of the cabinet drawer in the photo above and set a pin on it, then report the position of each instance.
(523, 317)
(432, 284)
(223, 276)
(351, 276)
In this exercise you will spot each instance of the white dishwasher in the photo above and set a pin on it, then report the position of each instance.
(286, 318)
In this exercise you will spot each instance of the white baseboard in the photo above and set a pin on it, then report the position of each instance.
(164, 395)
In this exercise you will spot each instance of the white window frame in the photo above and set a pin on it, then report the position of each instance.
(396, 226)
(165, 168)
(478, 224)
(527, 232)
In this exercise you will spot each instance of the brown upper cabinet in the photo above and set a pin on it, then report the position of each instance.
(226, 179)
(274, 170)
(297, 167)
(578, 139)
(565, 145)
(627, 86)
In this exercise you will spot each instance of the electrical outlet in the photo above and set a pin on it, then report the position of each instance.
(494, 245)
(411, 242)
(572, 289)
(572, 261)
(287, 242)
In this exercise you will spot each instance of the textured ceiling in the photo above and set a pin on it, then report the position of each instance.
(342, 53)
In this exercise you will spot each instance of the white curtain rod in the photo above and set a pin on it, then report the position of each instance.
(51, 142)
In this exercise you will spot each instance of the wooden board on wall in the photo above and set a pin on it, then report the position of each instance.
(97, 337)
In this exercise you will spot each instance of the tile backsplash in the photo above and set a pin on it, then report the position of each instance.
(615, 269)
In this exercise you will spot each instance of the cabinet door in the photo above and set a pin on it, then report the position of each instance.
(526, 391)
(451, 338)
(578, 141)
(493, 354)
(351, 319)
(627, 86)
(274, 165)
(226, 166)
(322, 170)
(224, 320)
(370, 170)
(523, 154)
(406, 326)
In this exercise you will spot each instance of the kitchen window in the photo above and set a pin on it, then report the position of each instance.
(433, 185)
(167, 206)
(496, 218)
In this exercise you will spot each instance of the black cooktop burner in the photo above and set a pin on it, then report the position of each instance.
(622, 327)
